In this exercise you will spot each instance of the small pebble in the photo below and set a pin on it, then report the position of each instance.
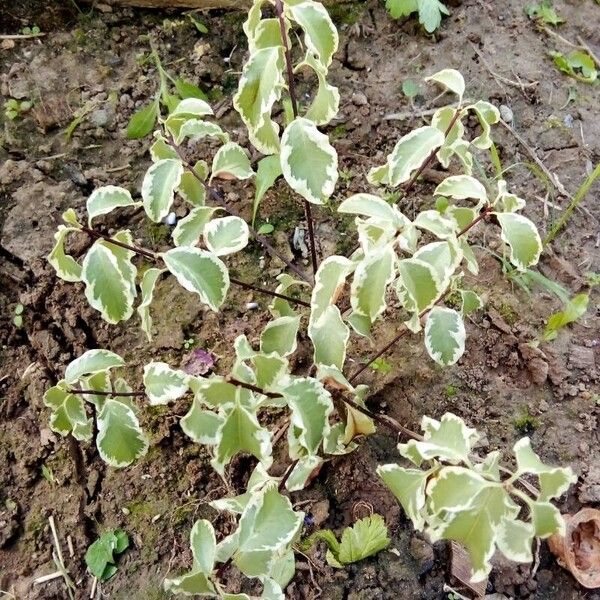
(359, 99)
(251, 305)
(171, 218)
(568, 121)
(506, 114)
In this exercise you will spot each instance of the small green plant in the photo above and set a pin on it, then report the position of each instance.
(577, 64)
(430, 11)
(574, 309)
(14, 109)
(365, 538)
(34, 30)
(544, 12)
(101, 556)
(18, 315)
(420, 261)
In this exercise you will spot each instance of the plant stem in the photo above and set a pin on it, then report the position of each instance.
(253, 388)
(294, 101)
(154, 257)
(286, 475)
(217, 199)
(579, 196)
(102, 393)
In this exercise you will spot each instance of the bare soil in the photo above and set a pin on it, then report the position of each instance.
(93, 61)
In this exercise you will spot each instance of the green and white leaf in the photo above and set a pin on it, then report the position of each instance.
(546, 519)
(226, 235)
(329, 335)
(522, 237)
(301, 472)
(445, 335)
(193, 107)
(440, 225)
(231, 162)
(120, 438)
(90, 362)
(451, 79)
(308, 161)
(419, 284)
(326, 103)
(202, 426)
(409, 153)
(269, 169)
(194, 129)
(147, 293)
(163, 384)
(191, 189)
(66, 267)
(188, 230)
(514, 540)
(105, 199)
(461, 187)
(329, 281)
(279, 336)
(199, 272)
(488, 115)
(68, 413)
(159, 185)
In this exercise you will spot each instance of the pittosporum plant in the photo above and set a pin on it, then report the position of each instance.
(419, 260)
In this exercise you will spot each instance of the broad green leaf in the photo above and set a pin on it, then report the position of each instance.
(310, 405)
(445, 335)
(440, 225)
(488, 115)
(408, 485)
(279, 336)
(68, 413)
(142, 121)
(188, 230)
(201, 425)
(199, 272)
(120, 439)
(92, 361)
(554, 481)
(546, 519)
(147, 292)
(320, 34)
(329, 281)
(231, 162)
(159, 185)
(301, 472)
(241, 432)
(266, 529)
(190, 584)
(188, 90)
(574, 309)
(124, 257)
(100, 558)
(106, 287)
(505, 201)
(326, 103)
(269, 169)
(454, 488)
(204, 545)
(577, 64)
(103, 200)
(191, 189)
(514, 540)
(451, 79)
(470, 302)
(523, 239)
(269, 371)
(226, 235)
(163, 384)
(409, 153)
(194, 107)
(259, 88)
(461, 187)
(66, 267)
(160, 149)
(445, 257)
(420, 281)
(371, 278)
(70, 218)
(448, 439)
(401, 8)
(194, 129)
(329, 335)
(365, 538)
(308, 161)
(430, 14)
(368, 205)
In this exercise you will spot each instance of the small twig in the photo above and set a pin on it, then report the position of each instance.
(21, 36)
(287, 474)
(94, 585)
(253, 388)
(45, 578)
(268, 292)
(101, 393)
(417, 114)
(59, 560)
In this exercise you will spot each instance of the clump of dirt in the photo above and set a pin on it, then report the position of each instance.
(92, 66)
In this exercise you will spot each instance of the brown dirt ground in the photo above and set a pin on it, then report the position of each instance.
(499, 386)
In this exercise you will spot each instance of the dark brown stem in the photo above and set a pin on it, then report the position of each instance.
(294, 101)
(141, 251)
(286, 475)
(268, 292)
(253, 388)
(101, 393)
(218, 199)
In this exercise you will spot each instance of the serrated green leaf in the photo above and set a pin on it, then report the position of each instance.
(409, 153)
(66, 267)
(147, 292)
(408, 485)
(448, 439)
(444, 335)
(320, 34)
(451, 79)
(371, 278)
(269, 169)
(401, 8)
(188, 230)
(231, 162)
(310, 406)
(430, 14)
(522, 237)
(105, 199)
(159, 185)
(142, 121)
(90, 362)
(308, 161)
(163, 384)
(259, 88)
(199, 272)
(461, 187)
(99, 555)
(365, 538)
(226, 235)
(279, 336)
(120, 440)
